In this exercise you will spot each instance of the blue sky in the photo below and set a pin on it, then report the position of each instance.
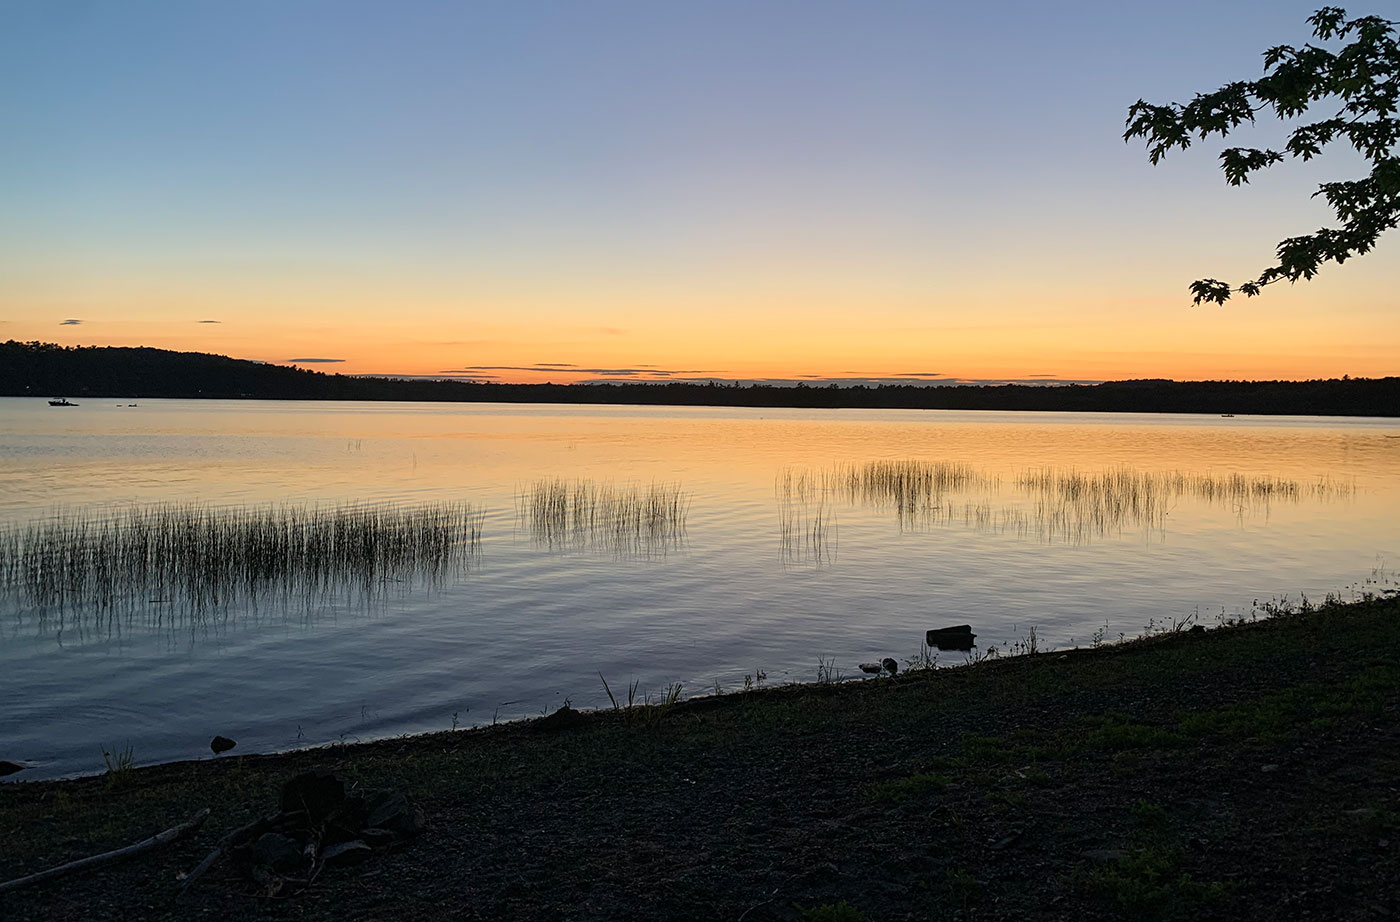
(646, 183)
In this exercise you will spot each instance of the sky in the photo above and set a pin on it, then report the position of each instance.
(602, 190)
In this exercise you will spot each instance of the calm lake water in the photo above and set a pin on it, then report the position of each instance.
(800, 535)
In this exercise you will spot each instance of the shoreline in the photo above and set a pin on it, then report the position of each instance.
(1131, 778)
(50, 370)
(910, 669)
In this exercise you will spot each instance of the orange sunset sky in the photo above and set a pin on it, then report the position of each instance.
(635, 191)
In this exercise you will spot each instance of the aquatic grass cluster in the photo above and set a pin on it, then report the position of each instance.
(914, 490)
(911, 488)
(1145, 490)
(193, 556)
(1075, 506)
(1054, 504)
(627, 520)
(807, 533)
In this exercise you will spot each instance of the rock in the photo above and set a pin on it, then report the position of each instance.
(343, 854)
(346, 820)
(871, 668)
(278, 852)
(957, 637)
(1197, 629)
(318, 792)
(9, 768)
(890, 664)
(562, 719)
(393, 811)
(221, 744)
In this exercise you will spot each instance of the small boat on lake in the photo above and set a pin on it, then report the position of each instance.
(61, 402)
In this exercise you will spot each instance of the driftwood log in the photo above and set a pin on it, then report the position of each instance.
(82, 864)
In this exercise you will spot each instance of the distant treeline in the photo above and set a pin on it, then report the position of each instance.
(48, 370)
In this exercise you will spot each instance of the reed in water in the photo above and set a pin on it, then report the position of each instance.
(198, 556)
(1052, 504)
(1075, 505)
(629, 520)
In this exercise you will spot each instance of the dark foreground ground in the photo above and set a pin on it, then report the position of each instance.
(1251, 772)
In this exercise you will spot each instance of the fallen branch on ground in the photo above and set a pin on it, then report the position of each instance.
(170, 835)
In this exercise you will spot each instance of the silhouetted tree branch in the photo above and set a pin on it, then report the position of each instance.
(1361, 77)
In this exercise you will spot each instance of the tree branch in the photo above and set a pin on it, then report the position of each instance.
(82, 864)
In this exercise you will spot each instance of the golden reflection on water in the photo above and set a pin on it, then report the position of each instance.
(1049, 477)
(800, 533)
(257, 451)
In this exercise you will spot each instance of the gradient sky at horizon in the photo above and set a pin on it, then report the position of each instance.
(733, 190)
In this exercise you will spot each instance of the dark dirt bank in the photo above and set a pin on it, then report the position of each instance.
(1250, 772)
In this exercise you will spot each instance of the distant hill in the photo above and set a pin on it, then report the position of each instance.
(48, 370)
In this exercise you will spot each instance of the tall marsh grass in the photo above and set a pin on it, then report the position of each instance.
(913, 490)
(196, 557)
(807, 533)
(1074, 505)
(1051, 504)
(627, 520)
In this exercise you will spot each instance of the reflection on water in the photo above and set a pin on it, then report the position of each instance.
(1006, 521)
(183, 560)
(172, 561)
(626, 521)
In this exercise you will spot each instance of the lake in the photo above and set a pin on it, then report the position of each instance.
(651, 545)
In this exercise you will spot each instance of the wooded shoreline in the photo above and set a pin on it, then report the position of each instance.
(47, 370)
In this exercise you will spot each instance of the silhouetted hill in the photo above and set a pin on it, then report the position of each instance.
(47, 370)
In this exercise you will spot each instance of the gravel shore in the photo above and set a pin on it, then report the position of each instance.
(1247, 772)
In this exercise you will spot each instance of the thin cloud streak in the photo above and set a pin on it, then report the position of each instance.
(852, 381)
(574, 369)
(439, 376)
(617, 376)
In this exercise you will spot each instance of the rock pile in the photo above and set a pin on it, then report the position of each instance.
(319, 825)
